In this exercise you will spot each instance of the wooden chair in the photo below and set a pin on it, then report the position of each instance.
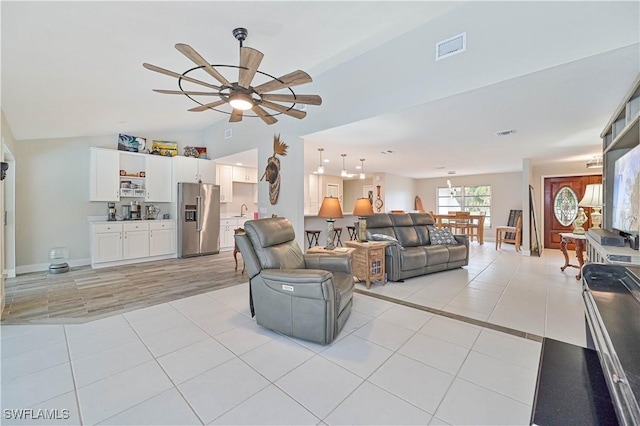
(502, 234)
(461, 221)
(473, 229)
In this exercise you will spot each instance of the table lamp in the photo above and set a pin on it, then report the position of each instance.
(330, 210)
(593, 198)
(362, 208)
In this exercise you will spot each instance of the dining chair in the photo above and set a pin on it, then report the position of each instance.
(503, 234)
(473, 228)
(461, 222)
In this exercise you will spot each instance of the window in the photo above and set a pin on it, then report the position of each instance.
(473, 199)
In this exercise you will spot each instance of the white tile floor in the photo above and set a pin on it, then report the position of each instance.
(202, 360)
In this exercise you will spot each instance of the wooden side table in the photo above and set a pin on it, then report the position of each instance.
(337, 250)
(581, 241)
(368, 261)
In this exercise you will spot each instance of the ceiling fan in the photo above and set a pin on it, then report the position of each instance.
(240, 95)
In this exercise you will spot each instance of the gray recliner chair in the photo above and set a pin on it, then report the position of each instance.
(308, 296)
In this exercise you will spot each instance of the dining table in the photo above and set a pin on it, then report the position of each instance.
(477, 219)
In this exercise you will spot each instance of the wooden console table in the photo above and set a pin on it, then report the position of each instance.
(580, 241)
(368, 261)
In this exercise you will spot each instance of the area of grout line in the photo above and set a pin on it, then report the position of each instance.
(484, 324)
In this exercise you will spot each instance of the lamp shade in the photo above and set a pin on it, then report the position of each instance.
(363, 207)
(330, 208)
(592, 196)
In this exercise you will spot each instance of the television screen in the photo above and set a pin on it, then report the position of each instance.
(626, 192)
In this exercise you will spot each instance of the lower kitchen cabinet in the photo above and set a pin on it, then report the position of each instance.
(121, 243)
(227, 231)
(162, 238)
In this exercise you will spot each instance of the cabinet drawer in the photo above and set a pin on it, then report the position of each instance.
(229, 222)
(100, 228)
(136, 226)
(162, 225)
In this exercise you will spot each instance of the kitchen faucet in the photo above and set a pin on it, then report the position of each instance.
(243, 210)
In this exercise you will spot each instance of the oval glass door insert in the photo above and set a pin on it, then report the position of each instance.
(565, 206)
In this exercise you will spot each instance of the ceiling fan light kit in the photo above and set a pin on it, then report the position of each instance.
(241, 96)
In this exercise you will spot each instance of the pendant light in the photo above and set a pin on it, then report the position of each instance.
(343, 173)
(320, 166)
(362, 175)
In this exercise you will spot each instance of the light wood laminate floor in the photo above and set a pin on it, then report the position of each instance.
(84, 294)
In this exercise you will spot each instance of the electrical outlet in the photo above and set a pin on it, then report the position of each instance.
(228, 133)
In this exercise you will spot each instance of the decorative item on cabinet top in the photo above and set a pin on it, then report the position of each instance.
(131, 143)
(165, 148)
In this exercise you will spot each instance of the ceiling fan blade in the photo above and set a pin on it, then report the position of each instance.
(298, 99)
(180, 92)
(176, 75)
(195, 57)
(264, 115)
(291, 112)
(236, 115)
(249, 62)
(208, 106)
(292, 79)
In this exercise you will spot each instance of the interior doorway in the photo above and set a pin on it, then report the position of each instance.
(561, 198)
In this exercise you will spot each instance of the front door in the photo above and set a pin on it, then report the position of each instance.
(561, 198)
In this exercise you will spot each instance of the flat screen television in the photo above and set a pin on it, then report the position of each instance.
(626, 193)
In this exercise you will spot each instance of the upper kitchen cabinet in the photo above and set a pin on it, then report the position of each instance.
(158, 179)
(196, 170)
(245, 174)
(118, 174)
(224, 178)
(104, 178)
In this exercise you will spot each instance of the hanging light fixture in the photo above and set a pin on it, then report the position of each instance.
(362, 175)
(320, 166)
(343, 173)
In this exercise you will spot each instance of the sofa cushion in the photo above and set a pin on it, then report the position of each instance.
(423, 234)
(457, 252)
(436, 255)
(413, 258)
(441, 236)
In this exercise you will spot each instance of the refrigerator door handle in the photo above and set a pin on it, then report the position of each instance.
(198, 213)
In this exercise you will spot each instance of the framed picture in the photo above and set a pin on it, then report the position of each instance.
(165, 148)
(131, 143)
(367, 192)
(202, 152)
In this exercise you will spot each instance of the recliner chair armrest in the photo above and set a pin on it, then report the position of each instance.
(309, 283)
(329, 262)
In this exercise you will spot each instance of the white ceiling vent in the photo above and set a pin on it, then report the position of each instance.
(451, 46)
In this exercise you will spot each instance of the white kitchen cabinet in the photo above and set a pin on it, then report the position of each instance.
(135, 240)
(162, 238)
(122, 243)
(196, 170)
(106, 244)
(227, 231)
(224, 178)
(245, 174)
(104, 180)
(158, 179)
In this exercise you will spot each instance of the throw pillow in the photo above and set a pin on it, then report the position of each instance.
(441, 236)
(383, 237)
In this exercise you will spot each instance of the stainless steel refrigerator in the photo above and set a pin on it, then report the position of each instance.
(198, 219)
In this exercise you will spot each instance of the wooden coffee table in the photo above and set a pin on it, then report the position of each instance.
(368, 261)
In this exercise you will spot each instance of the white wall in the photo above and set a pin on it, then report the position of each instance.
(242, 194)
(400, 193)
(506, 190)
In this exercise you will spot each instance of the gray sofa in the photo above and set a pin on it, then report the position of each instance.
(308, 296)
(414, 254)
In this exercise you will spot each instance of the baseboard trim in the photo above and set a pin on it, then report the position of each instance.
(40, 267)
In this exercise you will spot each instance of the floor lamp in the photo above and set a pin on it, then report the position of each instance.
(362, 208)
(330, 210)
